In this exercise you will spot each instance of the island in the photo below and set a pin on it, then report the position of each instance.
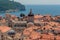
(11, 5)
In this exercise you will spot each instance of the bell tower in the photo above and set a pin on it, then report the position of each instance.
(30, 16)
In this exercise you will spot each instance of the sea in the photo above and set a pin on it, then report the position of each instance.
(38, 9)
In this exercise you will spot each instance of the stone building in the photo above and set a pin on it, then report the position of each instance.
(19, 25)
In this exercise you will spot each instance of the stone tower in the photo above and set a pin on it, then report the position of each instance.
(30, 16)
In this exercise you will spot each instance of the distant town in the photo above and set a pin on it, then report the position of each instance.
(29, 27)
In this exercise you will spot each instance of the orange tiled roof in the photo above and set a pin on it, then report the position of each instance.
(57, 37)
(47, 27)
(26, 32)
(35, 35)
(56, 29)
(4, 29)
(38, 16)
(53, 23)
(47, 15)
(47, 36)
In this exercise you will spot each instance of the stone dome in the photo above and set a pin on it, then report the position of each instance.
(11, 32)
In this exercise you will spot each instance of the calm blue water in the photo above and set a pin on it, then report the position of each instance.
(39, 9)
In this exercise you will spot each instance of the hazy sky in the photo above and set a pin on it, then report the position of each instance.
(39, 2)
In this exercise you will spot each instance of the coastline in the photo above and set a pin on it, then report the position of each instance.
(43, 10)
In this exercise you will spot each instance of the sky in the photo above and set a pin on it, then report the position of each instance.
(39, 2)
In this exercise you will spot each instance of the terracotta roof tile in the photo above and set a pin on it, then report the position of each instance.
(4, 29)
(35, 35)
(38, 16)
(47, 27)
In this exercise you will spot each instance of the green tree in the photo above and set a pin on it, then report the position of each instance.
(22, 15)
